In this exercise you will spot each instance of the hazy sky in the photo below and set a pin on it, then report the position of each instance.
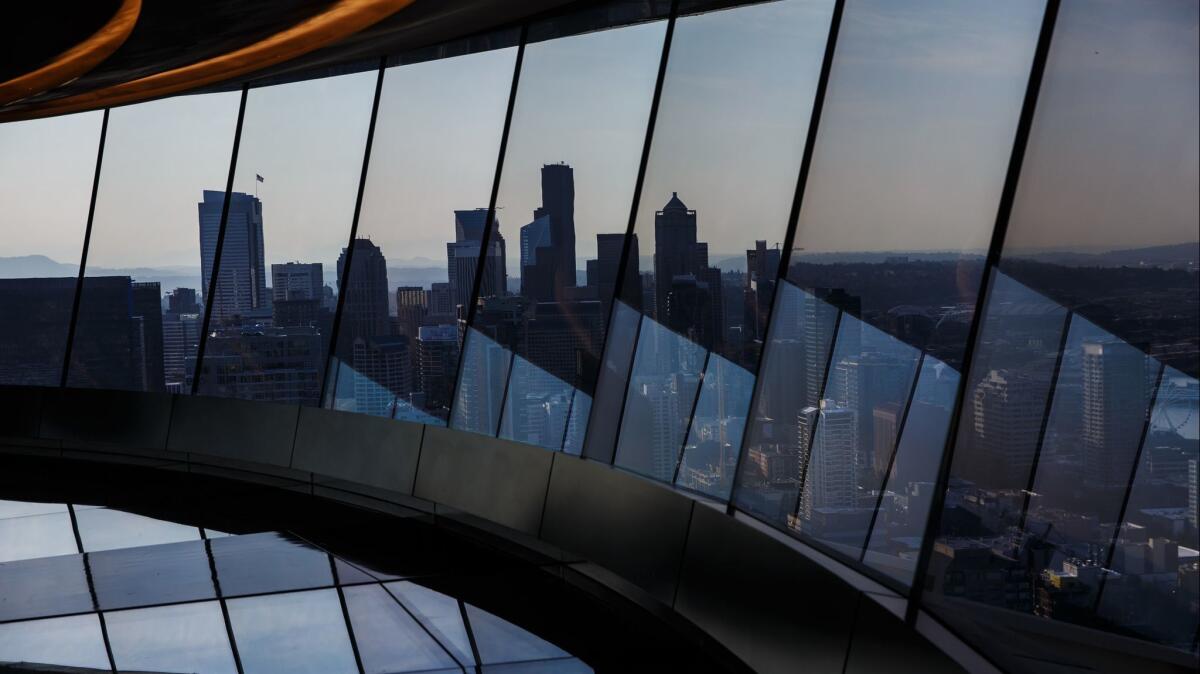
(732, 121)
(46, 171)
(918, 124)
(915, 138)
(1112, 157)
(583, 100)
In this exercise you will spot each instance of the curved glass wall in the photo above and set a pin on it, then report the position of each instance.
(916, 285)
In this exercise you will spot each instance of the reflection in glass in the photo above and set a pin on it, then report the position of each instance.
(46, 172)
(439, 613)
(182, 638)
(601, 439)
(481, 385)
(106, 529)
(720, 181)
(903, 511)
(32, 536)
(74, 641)
(296, 632)
(46, 586)
(847, 440)
(388, 638)
(500, 641)
(294, 191)
(429, 181)
(570, 168)
(793, 379)
(159, 159)
(663, 386)
(159, 574)
(268, 562)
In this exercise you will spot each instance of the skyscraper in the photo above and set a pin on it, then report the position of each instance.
(537, 271)
(242, 282)
(365, 308)
(147, 313)
(462, 257)
(558, 203)
(437, 357)
(1115, 397)
(687, 295)
(297, 281)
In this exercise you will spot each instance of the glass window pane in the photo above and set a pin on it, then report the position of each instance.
(715, 436)
(720, 181)
(33, 536)
(389, 639)
(481, 385)
(793, 378)
(662, 390)
(105, 529)
(24, 508)
(1103, 229)
(159, 158)
(601, 440)
(439, 613)
(48, 586)
(431, 164)
(500, 641)
(847, 440)
(300, 632)
(915, 139)
(536, 407)
(268, 562)
(183, 638)
(46, 172)
(577, 422)
(895, 539)
(155, 574)
(73, 641)
(294, 191)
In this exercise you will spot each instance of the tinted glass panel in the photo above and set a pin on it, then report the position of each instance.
(105, 529)
(268, 562)
(570, 168)
(159, 158)
(23, 508)
(289, 216)
(1102, 242)
(904, 502)
(793, 379)
(439, 613)
(151, 575)
(34, 588)
(388, 638)
(302, 632)
(714, 207)
(501, 641)
(46, 172)
(480, 394)
(431, 166)
(601, 439)
(74, 641)
(184, 638)
(34, 536)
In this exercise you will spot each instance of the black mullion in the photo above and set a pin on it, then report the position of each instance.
(214, 280)
(812, 432)
(83, 256)
(462, 609)
(912, 392)
(420, 623)
(691, 416)
(1133, 471)
(995, 248)
(789, 237)
(212, 568)
(1047, 410)
(512, 359)
(490, 217)
(346, 265)
(345, 614)
(627, 242)
(87, 572)
(562, 442)
(637, 343)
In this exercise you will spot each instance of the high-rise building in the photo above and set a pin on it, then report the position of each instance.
(688, 294)
(441, 303)
(276, 364)
(437, 357)
(831, 476)
(1115, 398)
(558, 203)
(365, 308)
(241, 284)
(537, 273)
(183, 301)
(412, 303)
(297, 281)
(602, 272)
(36, 315)
(147, 312)
(462, 260)
(181, 336)
(1007, 414)
(762, 269)
(382, 373)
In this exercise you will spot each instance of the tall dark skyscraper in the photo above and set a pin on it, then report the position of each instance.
(462, 257)
(297, 281)
(183, 301)
(365, 311)
(687, 294)
(148, 334)
(242, 282)
(558, 202)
